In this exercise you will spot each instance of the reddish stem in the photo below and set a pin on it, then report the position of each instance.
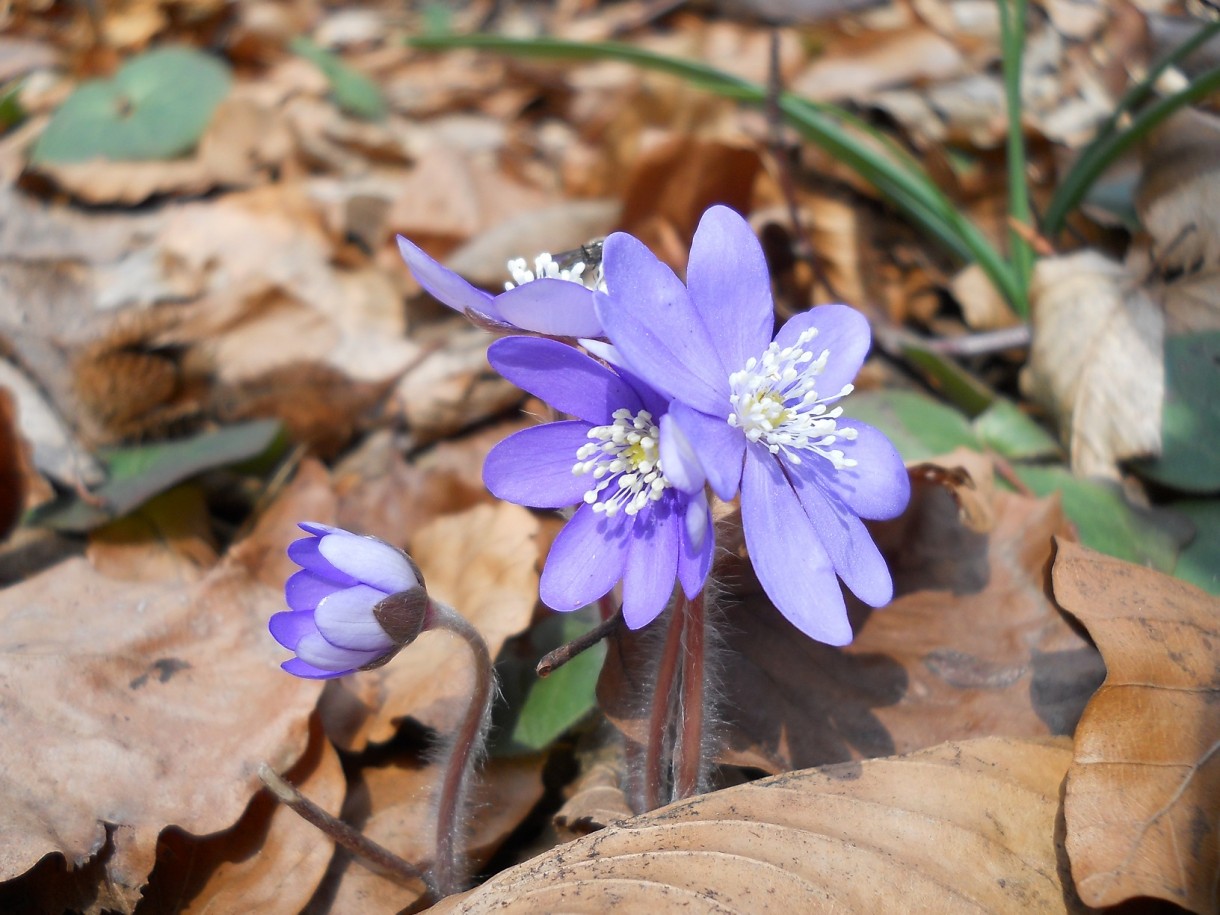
(688, 750)
(662, 708)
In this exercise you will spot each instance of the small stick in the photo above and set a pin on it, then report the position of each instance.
(689, 744)
(553, 660)
(376, 857)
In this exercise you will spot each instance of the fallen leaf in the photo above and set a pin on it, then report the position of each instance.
(100, 676)
(854, 69)
(15, 466)
(883, 835)
(1096, 363)
(1179, 194)
(169, 538)
(482, 562)
(272, 860)
(1140, 805)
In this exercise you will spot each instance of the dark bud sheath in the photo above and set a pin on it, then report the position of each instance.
(404, 615)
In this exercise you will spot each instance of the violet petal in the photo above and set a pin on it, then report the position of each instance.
(652, 563)
(371, 561)
(314, 650)
(304, 589)
(307, 554)
(695, 551)
(563, 376)
(719, 446)
(586, 559)
(445, 285)
(289, 627)
(843, 331)
(878, 487)
(346, 620)
(299, 668)
(847, 542)
(534, 466)
(551, 306)
(787, 555)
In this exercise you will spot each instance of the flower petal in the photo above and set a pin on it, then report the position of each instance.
(878, 487)
(719, 446)
(787, 555)
(678, 457)
(730, 284)
(843, 331)
(314, 650)
(445, 285)
(534, 466)
(346, 620)
(289, 628)
(655, 326)
(304, 589)
(306, 553)
(695, 552)
(317, 527)
(299, 668)
(847, 542)
(369, 560)
(652, 565)
(551, 306)
(586, 560)
(563, 376)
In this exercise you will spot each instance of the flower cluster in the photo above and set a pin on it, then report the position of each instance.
(681, 387)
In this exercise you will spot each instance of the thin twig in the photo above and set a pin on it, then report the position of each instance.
(554, 660)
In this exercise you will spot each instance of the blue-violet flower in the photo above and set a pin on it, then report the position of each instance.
(760, 414)
(547, 300)
(633, 524)
(355, 602)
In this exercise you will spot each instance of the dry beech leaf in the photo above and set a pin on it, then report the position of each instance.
(971, 646)
(597, 801)
(168, 538)
(482, 563)
(1097, 362)
(962, 827)
(1143, 792)
(149, 705)
(1179, 194)
(15, 466)
(272, 860)
(394, 806)
(855, 69)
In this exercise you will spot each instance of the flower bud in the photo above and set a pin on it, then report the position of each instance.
(355, 602)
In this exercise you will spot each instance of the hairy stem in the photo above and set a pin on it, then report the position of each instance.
(376, 857)
(688, 752)
(447, 871)
(655, 755)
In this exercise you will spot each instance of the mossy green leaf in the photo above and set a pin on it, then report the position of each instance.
(156, 107)
(1190, 425)
(1199, 563)
(920, 427)
(354, 92)
(1003, 428)
(137, 473)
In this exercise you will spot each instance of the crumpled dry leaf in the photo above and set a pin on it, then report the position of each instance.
(804, 841)
(482, 562)
(394, 805)
(854, 69)
(1141, 803)
(970, 647)
(1179, 194)
(16, 466)
(1097, 360)
(150, 705)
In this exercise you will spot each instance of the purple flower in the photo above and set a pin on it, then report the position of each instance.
(633, 523)
(355, 602)
(555, 302)
(759, 414)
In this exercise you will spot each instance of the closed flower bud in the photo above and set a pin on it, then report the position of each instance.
(355, 602)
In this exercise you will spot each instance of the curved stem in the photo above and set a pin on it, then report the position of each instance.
(446, 869)
(662, 706)
(688, 767)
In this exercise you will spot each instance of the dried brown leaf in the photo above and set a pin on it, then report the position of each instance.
(963, 827)
(15, 466)
(1179, 194)
(1097, 362)
(1141, 804)
(150, 705)
(481, 562)
(169, 538)
(857, 67)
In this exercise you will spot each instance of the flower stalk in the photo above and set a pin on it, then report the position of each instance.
(688, 745)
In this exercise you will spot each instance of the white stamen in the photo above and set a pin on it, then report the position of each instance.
(546, 266)
(627, 454)
(775, 402)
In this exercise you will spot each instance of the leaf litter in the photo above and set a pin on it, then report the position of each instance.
(143, 303)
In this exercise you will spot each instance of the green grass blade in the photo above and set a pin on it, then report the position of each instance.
(1021, 254)
(893, 172)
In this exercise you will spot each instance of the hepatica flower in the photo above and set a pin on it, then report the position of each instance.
(761, 414)
(633, 524)
(550, 299)
(355, 602)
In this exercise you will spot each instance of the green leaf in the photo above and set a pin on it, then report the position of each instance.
(562, 700)
(156, 107)
(1190, 425)
(1199, 563)
(1003, 428)
(354, 92)
(1107, 522)
(920, 427)
(138, 473)
(11, 112)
